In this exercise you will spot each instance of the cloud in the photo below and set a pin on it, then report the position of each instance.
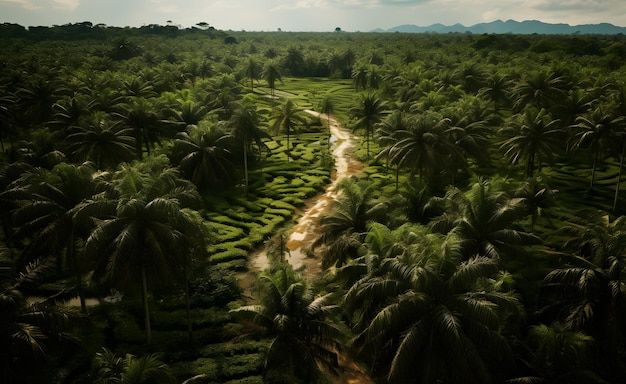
(26, 4)
(69, 5)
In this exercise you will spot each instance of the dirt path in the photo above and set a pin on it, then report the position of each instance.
(306, 230)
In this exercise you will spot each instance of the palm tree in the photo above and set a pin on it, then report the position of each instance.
(588, 292)
(253, 70)
(484, 220)
(37, 98)
(150, 233)
(31, 331)
(369, 112)
(561, 355)
(536, 139)
(49, 215)
(423, 146)
(108, 368)
(598, 131)
(540, 89)
(538, 198)
(496, 90)
(187, 113)
(271, 74)
(471, 77)
(468, 131)
(7, 101)
(202, 154)
(286, 118)
(141, 118)
(427, 316)
(70, 112)
(102, 142)
(246, 129)
(359, 77)
(294, 61)
(344, 227)
(299, 322)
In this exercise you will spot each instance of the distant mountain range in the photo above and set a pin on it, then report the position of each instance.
(513, 27)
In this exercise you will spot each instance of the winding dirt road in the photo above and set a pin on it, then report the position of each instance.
(306, 230)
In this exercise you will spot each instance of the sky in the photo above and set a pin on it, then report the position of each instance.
(308, 15)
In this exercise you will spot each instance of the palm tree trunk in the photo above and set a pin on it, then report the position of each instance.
(328, 121)
(367, 140)
(593, 170)
(245, 165)
(619, 175)
(188, 307)
(146, 308)
(139, 145)
(397, 175)
(288, 146)
(71, 250)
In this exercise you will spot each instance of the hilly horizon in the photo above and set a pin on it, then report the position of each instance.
(512, 27)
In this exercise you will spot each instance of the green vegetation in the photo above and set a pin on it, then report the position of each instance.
(483, 241)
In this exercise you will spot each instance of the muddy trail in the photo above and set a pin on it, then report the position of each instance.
(306, 229)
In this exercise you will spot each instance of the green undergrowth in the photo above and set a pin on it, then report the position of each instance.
(278, 186)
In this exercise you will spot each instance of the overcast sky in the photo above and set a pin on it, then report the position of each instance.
(308, 15)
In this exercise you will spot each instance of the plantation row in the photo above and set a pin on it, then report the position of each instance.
(483, 241)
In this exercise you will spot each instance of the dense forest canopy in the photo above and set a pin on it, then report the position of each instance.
(484, 240)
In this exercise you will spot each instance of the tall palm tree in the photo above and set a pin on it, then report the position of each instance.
(294, 61)
(102, 142)
(299, 322)
(70, 112)
(37, 98)
(253, 71)
(536, 138)
(344, 227)
(32, 330)
(561, 355)
(271, 74)
(485, 221)
(540, 89)
(468, 131)
(598, 131)
(246, 130)
(538, 198)
(359, 77)
(203, 156)
(497, 90)
(149, 234)
(144, 122)
(369, 112)
(187, 113)
(7, 103)
(428, 316)
(424, 146)
(49, 215)
(286, 118)
(387, 133)
(588, 293)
